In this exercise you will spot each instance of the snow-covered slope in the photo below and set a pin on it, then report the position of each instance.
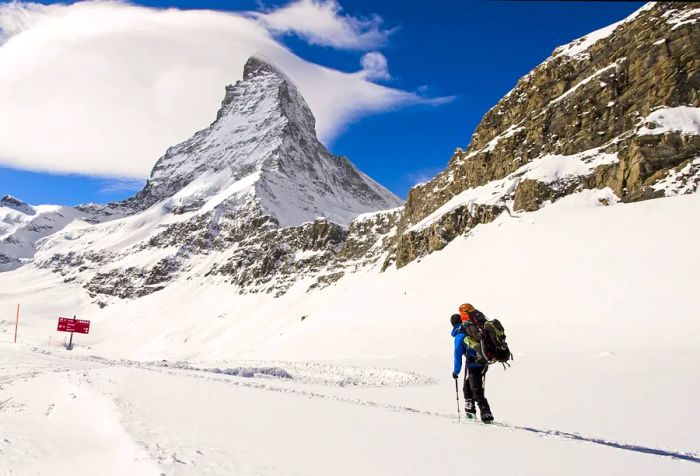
(568, 269)
(593, 374)
(22, 226)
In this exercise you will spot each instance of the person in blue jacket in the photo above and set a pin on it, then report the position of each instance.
(474, 373)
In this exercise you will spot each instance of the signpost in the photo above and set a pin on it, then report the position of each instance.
(16, 323)
(73, 325)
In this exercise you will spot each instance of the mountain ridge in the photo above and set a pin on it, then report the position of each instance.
(588, 117)
(576, 121)
(254, 199)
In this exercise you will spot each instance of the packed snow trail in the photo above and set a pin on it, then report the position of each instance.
(686, 456)
(125, 386)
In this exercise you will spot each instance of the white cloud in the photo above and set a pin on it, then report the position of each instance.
(16, 17)
(321, 22)
(121, 185)
(375, 66)
(103, 88)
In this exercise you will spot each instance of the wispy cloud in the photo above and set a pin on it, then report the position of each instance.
(375, 66)
(103, 88)
(121, 185)
(322, 22)
(16, 17)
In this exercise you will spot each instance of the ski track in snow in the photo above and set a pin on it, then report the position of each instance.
(692, 457)
(245, 381)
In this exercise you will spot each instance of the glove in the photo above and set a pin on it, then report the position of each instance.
(455, 376)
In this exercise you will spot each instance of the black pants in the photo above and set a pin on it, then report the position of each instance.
(474, 387)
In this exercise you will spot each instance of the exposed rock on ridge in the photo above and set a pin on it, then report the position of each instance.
(613, 109)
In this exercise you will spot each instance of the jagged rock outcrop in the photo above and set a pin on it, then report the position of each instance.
(423, 239)
(617, 108)
(13, 203)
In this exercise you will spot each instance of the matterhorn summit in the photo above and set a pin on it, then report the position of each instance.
(263, 143)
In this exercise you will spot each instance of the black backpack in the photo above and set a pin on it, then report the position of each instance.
(487, 338)
(494, 347)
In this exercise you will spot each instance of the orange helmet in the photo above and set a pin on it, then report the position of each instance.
(465, 309)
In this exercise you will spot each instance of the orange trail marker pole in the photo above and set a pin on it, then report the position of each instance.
(16, 323)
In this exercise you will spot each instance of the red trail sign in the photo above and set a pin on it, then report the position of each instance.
(80, 326)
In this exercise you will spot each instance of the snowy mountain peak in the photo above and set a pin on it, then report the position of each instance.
(264, 142)
(256, 66)
(16, 204)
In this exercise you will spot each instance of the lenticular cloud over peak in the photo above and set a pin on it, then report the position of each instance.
(103, 88)
(321, 22)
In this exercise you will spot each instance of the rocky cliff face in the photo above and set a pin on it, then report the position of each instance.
(254, 200)
(617, 108)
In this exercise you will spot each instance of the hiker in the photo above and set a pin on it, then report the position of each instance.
(464, 330)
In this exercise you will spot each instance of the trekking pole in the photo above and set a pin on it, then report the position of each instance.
(459, 414)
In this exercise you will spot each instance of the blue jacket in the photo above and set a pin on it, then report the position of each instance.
(461, 349)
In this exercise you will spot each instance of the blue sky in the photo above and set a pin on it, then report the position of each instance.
(473, 50)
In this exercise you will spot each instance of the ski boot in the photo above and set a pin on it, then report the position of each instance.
(470, 409)
(486, 417)
(485, 410)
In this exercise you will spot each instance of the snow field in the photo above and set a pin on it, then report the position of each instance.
(598, 304)
(95, 416)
